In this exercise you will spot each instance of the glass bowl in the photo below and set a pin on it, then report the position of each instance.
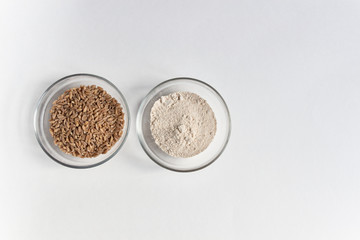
(42, 116)
(217, 104)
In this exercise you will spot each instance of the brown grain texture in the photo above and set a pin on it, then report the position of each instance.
(86, 121)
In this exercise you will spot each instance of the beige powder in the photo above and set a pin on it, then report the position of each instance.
(182, 124)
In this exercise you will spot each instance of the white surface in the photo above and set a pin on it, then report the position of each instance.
(289, 71)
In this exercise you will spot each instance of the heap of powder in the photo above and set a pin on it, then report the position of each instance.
(182, 124)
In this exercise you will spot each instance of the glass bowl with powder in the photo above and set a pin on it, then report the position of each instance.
(81, 120)
(183, 124)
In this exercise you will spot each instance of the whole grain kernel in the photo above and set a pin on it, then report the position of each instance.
(86, 121)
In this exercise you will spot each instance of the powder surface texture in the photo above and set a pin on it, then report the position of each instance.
(182, 124)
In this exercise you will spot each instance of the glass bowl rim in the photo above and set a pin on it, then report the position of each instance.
(36, 112)
(141, 110)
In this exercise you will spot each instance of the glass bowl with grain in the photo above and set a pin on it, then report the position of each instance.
(81, 153)
(163, 124)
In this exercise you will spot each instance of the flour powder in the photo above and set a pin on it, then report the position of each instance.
(182, 124)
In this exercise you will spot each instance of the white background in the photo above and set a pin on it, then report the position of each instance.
(289, 71)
